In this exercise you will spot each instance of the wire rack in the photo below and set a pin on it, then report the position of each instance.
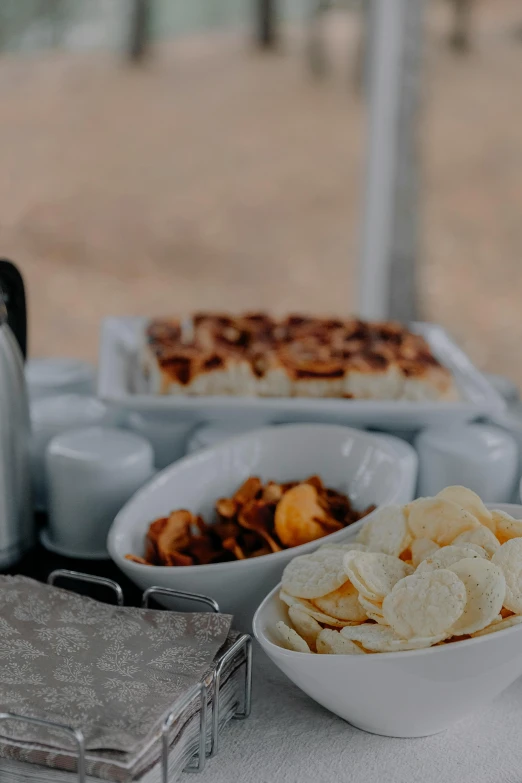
(240, 650)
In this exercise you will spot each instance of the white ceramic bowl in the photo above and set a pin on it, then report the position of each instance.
(367, 469)
(402, 694)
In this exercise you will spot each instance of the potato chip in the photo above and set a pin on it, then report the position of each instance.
(257, 516)
(495, 620)
(232, 546)
(374, 606)
(500, 625)
(137, 559)
(312, 610)
(506, 527)
(151, 540)
(381, 638)
(315, 575)
(315, 481)
(175, 535)
(272, 492)
(298, 516)
(485, 589)
(331, 642)
(481, 536)
(179, 559)
(468, 500)
(330, 524)
(156, 527)
(151, 552)
(446, 556)
(509, 559)
(290, 639)
(226, 508)
(421, 548)
(249, 490)
(373, 609)
(305, 625)
(387, 531)
(364, 532)
(374, 574)
(343, 604)
(439, 520)
(425, 604)
(476, 548)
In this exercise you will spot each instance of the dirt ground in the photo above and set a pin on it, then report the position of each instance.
(220, 177)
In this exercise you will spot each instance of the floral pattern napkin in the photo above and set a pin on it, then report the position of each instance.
(113, 672)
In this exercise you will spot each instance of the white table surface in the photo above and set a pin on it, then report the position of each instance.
(290, 739)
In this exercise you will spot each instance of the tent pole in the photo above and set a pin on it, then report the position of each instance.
(389, 232)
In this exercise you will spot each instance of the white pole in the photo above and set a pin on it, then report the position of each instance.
(386, 158)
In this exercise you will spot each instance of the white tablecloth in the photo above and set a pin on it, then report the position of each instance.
(290, 739)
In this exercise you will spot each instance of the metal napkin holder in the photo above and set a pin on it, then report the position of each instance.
(199, 692)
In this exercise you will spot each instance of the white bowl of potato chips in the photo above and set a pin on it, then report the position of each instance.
(413, 625)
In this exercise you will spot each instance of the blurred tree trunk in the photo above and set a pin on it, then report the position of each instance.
(139, 38)
(460, 38)
(57, 14)
(4, 31)
(316, 45)
(266, 23)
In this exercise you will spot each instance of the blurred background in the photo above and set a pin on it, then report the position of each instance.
(160, 156)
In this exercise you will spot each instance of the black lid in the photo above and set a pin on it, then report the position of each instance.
(12, 302)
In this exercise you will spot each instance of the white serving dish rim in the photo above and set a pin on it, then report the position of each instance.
(480, 397)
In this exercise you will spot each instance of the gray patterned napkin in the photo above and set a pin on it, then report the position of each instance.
(113, 672)
(24, 762)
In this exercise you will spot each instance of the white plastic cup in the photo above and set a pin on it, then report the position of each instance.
(167, 435)
(50, 416)
(511, 421)
(481, 457)
(49, 377)
(91, 473)
(209, 435)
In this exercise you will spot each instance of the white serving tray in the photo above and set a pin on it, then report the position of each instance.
(121, 383)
